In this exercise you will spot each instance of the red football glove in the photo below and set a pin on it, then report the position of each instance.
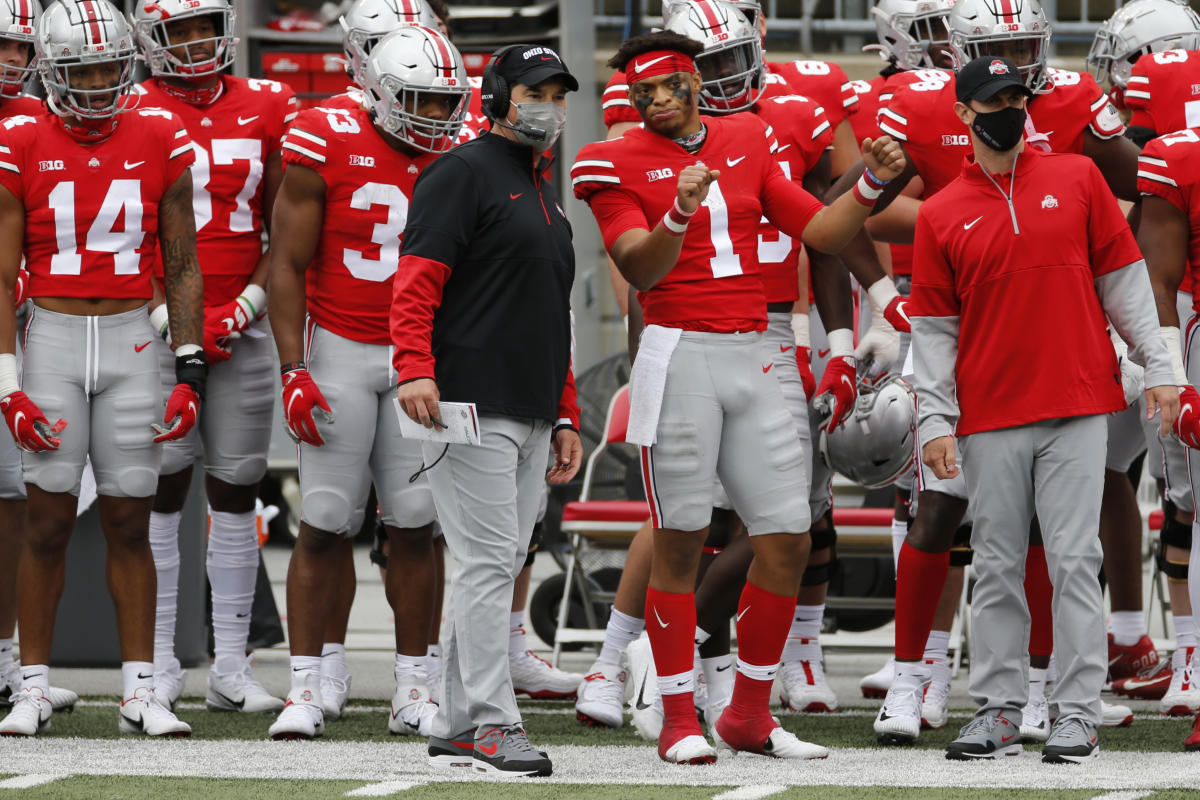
(1187, 424)
(232, 317)
(300, 397)
(216, 342)
(28, 425)
(840, 383)
(21, 289)
(804, 363)
(183, 407)
(897, 314)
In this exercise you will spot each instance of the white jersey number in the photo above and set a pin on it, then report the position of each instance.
(224, 153)
(122, 201)
(725, 263)
(774, 251)
(386, 234)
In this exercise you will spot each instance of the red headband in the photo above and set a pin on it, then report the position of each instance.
(657, 62)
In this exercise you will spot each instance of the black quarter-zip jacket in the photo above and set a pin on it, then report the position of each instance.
(481, 298)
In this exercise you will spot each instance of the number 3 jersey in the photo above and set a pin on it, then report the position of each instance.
(233, 137)
(367, 188)
(91, 211)
(715, 285)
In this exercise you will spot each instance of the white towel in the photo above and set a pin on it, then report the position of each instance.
(647, 381)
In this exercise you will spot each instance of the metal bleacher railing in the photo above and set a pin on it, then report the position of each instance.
(845, 25)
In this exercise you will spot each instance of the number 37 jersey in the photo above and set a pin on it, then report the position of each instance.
(367, 188)
(91, 211)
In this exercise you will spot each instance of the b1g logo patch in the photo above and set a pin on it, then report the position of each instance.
(361, 161)
(653, 175)
(47, 166)
(955, 140)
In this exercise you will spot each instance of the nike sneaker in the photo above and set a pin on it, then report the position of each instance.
(303, 715)
(1149, 684)
(1192, 743)
(645, 706)
(412, 710)
(1182, 698)
(876, 685)
(169, 683)
(335, 686)
(535, 676)
(506, 752)
(803, 688)
(10, 686)
(935, 704)
(1125, 661)
(239, 692)
(899, 718)
(739, 735)
(144, 713)
(1113, 715)
(456, 752)
(601, 696)
(1072, 741)
(990, 735)
(1035, 716)
(30, 714)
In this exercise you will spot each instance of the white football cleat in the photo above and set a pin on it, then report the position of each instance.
(1183, 696)
(899, 718)
(10, 686)
(645, 706)
(1035, 717)
(1115, 716)
(803, 688)
(779, 744)
(239, 692)
(144, 713)
(303, 716)
(935, 710)
(30, 714)
(412, 710)
(335, 691)
(876, 684)
(169, 683)
(601, 696)
(689, 750)
(535, 676)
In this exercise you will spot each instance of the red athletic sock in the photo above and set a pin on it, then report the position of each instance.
(763, 621)
(671, 626)
(1039, 595)
(920, 577)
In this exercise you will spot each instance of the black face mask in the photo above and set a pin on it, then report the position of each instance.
(1000, 130)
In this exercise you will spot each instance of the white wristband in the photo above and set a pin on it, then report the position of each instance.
(8, 375)
(255, 297)
(188, 349)
(882, 292)
(1173, 341)
(841, 342)
(160, 321)
(867, 190)
(800, 330)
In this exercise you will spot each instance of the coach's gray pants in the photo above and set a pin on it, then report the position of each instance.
(1056, 470)
(487, 501)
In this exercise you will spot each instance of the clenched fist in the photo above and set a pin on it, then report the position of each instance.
(884, 157)
(693, 185)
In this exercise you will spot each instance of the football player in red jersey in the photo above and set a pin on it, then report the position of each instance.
(341, 210)
(1149, 50)
(90, 196)
(17, 64)
(703, 302)
(1169, 237)
(235, 125)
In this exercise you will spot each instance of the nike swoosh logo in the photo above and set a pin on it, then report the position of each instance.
(247, 120)
(20, 416)
(140, 348)
(660, 619)
(742, 613)
(142, 677)
(638, 68)
(230, 700)
(722, 669)
(640, 703)
(733, 162)
(1133, 683)
(515, 196)
(1004, 739)
(767, 368)
(27, 677)
(488, 749)
(822, 353)
(242, 616)
(968, 225)
(134, 164)
(680, 683)
(784, 348)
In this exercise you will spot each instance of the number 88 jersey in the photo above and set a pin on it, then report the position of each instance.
(367, 189)
(91, 211)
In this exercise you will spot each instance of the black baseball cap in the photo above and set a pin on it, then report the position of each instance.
(531, 64)
(985, 76)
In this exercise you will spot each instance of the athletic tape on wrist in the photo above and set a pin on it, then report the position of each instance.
(160, 321)
(882, 292)
(676, 219)
(188, 349)
(841, 342)
(800, 330)
(8, 375)
(255, 297)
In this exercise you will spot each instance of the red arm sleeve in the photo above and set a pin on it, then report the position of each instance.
(416, 295)
(568, 405)
(787, 206)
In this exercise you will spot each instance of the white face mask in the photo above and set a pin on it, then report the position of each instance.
(539, 124)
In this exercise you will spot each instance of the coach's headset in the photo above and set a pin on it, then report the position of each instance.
(495, 94)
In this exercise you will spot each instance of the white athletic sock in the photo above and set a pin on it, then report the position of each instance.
(899, 532)
(232, 573)
(517, 643)
(1127, 627)
(718, 675)
(806, 626)
(164, 544)
(1052, 671)
(136, 675)
(6, 652)
(432, 663)
(1185, 631)
(702, 636)
(333, 660)
(304, 667)
(620, 631)
(1037, 681)
(409, 668)
(36, 676)
(909, 674)
(937, 645)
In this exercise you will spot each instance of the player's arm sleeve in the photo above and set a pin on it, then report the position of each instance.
(568, 404)
(934, 309)
(785, 204)
(595, 180)
(614, 103)
(1154, 176)
(307, 142)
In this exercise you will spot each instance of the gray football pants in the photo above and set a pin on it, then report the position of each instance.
(1055, 469)
(487, 500)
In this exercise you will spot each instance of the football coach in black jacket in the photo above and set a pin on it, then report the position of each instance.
(481, 314)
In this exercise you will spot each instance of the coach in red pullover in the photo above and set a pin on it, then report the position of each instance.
(1017, 264)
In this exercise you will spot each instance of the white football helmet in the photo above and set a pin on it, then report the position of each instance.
(1015, 29)
(731, 64)
(408, 63)
(368, 21)
(1137, 28)
(878, 442)
(751, 9)
(150, 22)
(910, 31)
(75, 33)
(18, 21)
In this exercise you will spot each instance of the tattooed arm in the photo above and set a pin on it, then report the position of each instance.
(181, 269)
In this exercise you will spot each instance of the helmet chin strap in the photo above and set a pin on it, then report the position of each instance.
(193, 95)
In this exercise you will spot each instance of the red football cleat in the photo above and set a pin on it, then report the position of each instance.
(1127, 661)
(1192, 743)
(1149, 684)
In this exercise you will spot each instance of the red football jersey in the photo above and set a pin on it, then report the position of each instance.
(1169, 167)
(91, 211)
(629, 182)
(614, 102)
(23, 104)
(349, 100)
(1164, 91)
(822, 81)
(802, 133)
(367, 189)
(864, 120)
(234, 136)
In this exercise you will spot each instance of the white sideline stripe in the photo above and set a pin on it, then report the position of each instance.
(580, 764)
(1120, 796)
(28, 781)
(383, 789)
(750, 793)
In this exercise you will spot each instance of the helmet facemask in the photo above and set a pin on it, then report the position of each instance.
(56, 76)
(1024, 48)
(168, 58)
(730, 76)
(404, 121)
